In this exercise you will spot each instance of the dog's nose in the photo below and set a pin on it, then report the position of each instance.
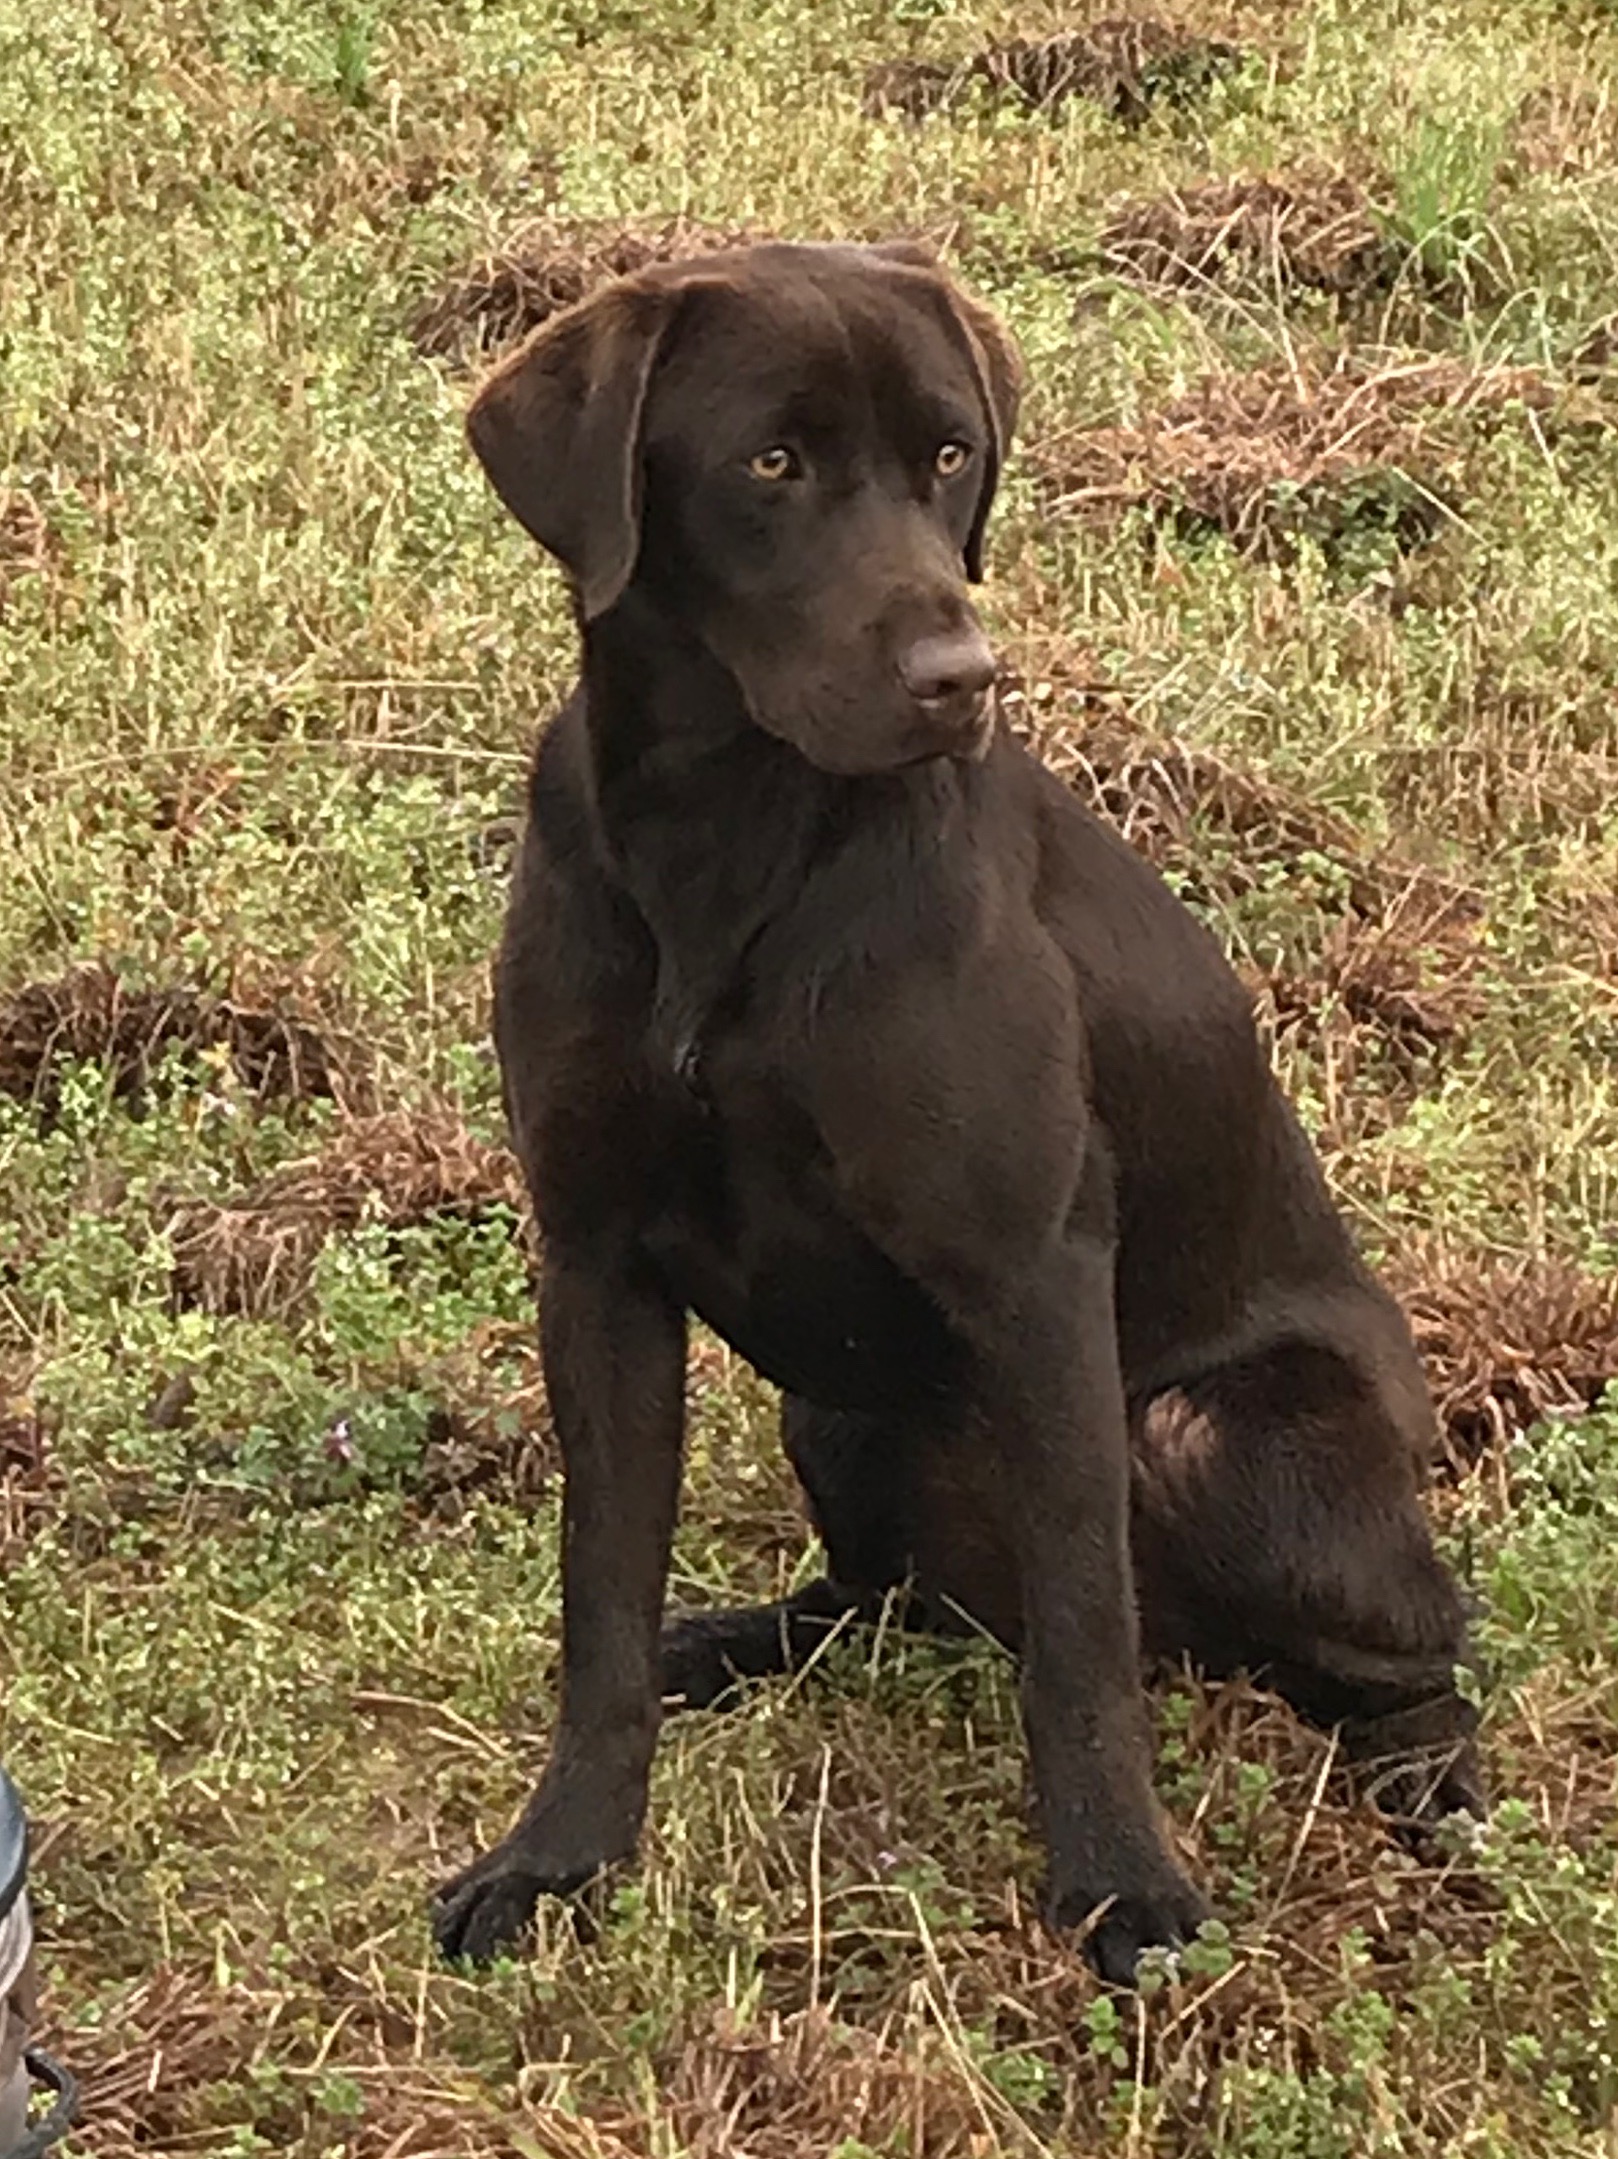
(951, 667)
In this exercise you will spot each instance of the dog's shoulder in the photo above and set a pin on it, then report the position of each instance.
(1155, 991)
(1100, 894)
(571, 937)
(558, 772)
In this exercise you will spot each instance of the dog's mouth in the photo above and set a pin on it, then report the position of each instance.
(978, 734)
(955, 727)
(960, 749)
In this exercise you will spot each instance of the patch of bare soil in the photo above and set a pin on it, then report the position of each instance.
(254, 1253)
(1263, 236)
(544, 268)
(91, 1015)
(1317, 449)
(1126, 65)
(25, 540)
(1506, 1342)
(27, 1474)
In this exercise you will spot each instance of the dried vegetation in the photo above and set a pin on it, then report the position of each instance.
(1263, 236)
(253, 1253)
(1506, 1342)
(1321, 448)
(1125, 65)
(27, 1473)
(91, 1015)
(545, 267)
(25, 541)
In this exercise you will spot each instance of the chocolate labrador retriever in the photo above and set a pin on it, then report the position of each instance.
(825, 1012)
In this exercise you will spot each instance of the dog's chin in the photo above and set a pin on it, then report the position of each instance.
(878, 735)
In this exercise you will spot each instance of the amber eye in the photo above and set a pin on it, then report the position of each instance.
(951, 459)
(776, 463)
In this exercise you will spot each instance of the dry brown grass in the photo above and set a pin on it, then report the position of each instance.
(1125, 64)
(545, 267)
(253, 1254)
(1316, 447)
(1394, 993)
(169, 2035)
(492, 1430)
(27, 1473)
(1567, 128)
(163, 2043)
(1159, 792)
(1166, 796)
(90, 1014)
(794, 2087)
(1505, 1342)
(1264, 1797)
(1409, 973)
(25, 540)
(900, 2064)
(1266, 236)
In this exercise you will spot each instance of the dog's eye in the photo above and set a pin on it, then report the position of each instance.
(951, 459)
(776, 463)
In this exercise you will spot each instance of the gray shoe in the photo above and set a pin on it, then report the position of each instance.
(20, 2066)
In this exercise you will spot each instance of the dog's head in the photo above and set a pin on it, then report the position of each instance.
(792, 451)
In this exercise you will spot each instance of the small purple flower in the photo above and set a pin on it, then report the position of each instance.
(338, 1445)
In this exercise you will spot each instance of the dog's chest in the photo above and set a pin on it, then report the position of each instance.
(749, 1233)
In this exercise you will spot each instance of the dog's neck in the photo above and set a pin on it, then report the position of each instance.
(711, 825)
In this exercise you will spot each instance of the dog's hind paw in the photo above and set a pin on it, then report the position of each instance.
(697, 1668)
(1122, 1928)
(485, 1910)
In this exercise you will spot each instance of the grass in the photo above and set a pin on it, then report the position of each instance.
(277, 1500)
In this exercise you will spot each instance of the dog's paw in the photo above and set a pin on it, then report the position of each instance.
(486, 1909)
(697, 1674)
(1164, 1914)
(1420, 1766)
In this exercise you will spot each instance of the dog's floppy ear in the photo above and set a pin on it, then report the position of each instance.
(998, 367)
(557, 427)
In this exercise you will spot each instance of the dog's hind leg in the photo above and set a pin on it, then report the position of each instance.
(1277, 1528)
(707, 1654)
(853, 1470)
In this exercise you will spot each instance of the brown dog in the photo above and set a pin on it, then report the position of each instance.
(826, 1013)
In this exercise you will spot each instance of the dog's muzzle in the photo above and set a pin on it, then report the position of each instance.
(950, 674)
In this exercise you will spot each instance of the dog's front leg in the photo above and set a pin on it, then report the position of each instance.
(614, 1352)
(1052, 1400)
